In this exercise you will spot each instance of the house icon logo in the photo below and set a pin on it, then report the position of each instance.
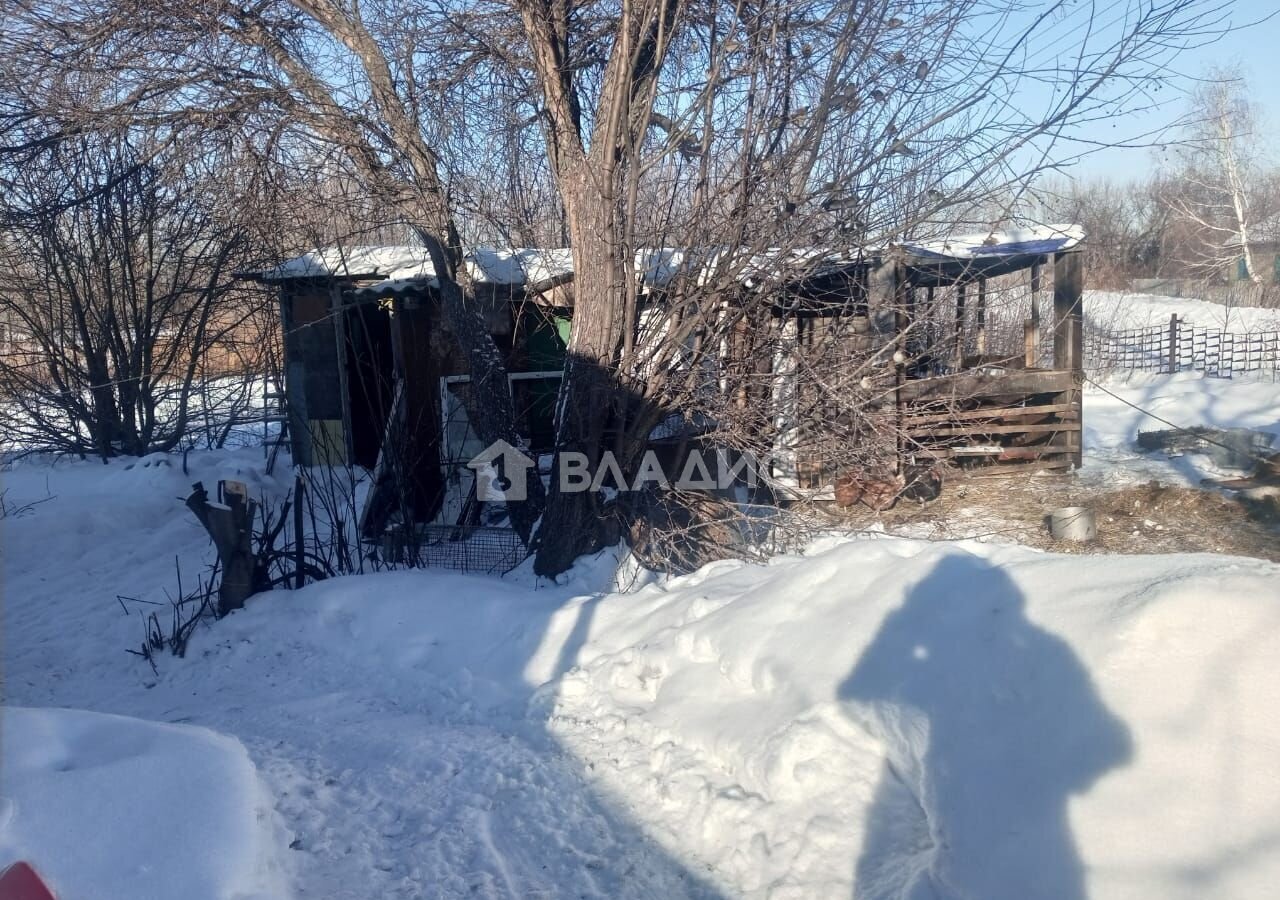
(501, 473)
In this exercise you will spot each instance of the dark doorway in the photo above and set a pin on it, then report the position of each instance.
(370, 378)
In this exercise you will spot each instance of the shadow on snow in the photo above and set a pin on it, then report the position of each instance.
(991, 724)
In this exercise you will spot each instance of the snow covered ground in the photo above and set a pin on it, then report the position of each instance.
(1118, 310)
(913, 719)
(387, 716)
(879, 717)
(115, 807)
(1111, 422)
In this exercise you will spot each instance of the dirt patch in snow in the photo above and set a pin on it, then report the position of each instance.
(1145, 518)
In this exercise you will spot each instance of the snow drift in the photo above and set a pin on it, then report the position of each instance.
(115, 808)
(903, 719)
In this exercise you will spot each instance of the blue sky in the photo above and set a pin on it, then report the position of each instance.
(1256, 48)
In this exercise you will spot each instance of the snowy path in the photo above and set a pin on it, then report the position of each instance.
(390, 803)
(400, 795)
(398, 770)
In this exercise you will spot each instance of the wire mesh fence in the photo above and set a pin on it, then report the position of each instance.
(1180, 347)
(481, 549)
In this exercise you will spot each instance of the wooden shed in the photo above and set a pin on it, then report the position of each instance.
(367, 346)
(1013, 405)
(368, 353)
(970, 348)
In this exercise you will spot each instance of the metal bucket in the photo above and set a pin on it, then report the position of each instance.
(1073, 523)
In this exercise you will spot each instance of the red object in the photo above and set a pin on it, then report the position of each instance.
(21, 882)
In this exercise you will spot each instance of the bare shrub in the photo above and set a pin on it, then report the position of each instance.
(116, 295)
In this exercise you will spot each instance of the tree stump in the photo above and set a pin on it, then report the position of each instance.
(230, 525)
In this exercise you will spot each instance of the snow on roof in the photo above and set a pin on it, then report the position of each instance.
(400, 268)
(1036, 239)
(404, 267)
(536, 266)
(802, 262)
(397, 261)
(658, 267)
(533, 267)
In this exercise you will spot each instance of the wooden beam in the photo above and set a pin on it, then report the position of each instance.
(337, 309)
(1055, 457)
(294, 383)
(981, 428)
(1031, 334)
(903, 295)
(1013, 412)
(1068, 330)
(1015, 468)
(1068, 336)
(981, 315)
(975, 386)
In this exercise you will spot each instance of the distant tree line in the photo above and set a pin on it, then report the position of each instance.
(1209, 211)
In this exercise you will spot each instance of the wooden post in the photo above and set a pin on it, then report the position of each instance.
(982, 316)
(230, 525)
(1173, 344)
(337, 309)
(928, 334)
(959, 336)
(1068, 331)
(902, 290)
(911, 319)
(1031, 331)
(295, 382)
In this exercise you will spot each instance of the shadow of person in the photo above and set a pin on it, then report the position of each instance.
(990, 724)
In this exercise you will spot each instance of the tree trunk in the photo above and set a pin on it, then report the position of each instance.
(491, 410)
(575, 523)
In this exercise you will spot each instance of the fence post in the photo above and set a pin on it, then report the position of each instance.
(1173, 344)
(300, 546)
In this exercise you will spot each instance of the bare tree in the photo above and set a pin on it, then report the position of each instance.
(1211, 188)
(769, 129)
(116, 297)
(692, 155)
(1128, 223)
(304, 78)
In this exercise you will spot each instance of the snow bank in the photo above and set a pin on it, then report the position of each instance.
(890, 716)
(1120, 310)
(111, 807)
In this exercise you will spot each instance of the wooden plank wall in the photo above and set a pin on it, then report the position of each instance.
(313, 376)
(1017, 419)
